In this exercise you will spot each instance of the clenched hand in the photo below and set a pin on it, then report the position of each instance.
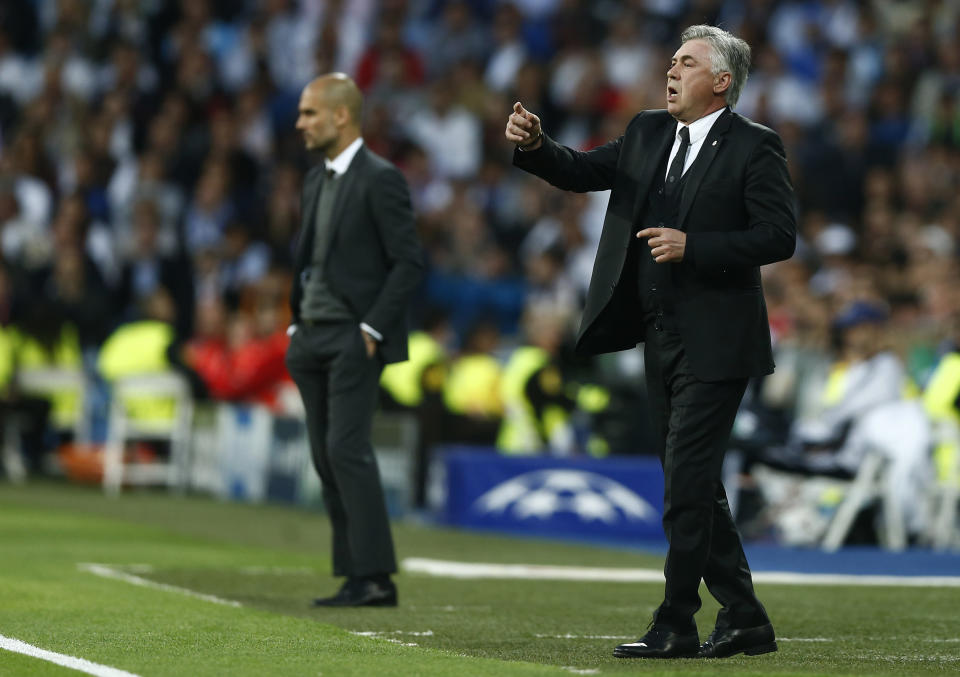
(523, 128)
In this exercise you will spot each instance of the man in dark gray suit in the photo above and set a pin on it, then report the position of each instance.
(700, 199)
(357, 262)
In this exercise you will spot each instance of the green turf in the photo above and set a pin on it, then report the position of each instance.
(459, 627)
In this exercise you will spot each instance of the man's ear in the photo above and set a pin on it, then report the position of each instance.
(722, 83)
(341, 116)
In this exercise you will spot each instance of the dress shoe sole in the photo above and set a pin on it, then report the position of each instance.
(761, 649)
(391, 602)
(323, 604)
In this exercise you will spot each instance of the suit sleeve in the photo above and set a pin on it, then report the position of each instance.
(570, 169)
(771, 231)
(393, 219)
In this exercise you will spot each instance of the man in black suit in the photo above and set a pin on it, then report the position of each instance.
(357, 263)
(707, 192)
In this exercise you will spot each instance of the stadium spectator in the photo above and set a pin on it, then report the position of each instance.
(537, 402)
(508, 52)
(471, 392)
(146, 268)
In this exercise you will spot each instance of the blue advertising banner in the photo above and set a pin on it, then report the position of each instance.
(615, 498)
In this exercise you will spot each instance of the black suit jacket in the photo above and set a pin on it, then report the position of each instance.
(374, 261)
(737, 211)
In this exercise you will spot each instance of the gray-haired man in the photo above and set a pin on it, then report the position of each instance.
(700, 199)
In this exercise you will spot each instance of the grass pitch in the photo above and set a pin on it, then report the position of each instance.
(273, 560)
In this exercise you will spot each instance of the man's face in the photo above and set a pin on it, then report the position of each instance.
(316, 121)
(690, 82)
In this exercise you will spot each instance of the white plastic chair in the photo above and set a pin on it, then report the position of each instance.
(894, 442)
(44, 382)
(123, 428)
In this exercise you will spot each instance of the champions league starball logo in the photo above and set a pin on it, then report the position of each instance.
(546, 493)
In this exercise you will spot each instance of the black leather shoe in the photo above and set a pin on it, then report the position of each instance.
(362, 592)
(661, 644)
(749, 641)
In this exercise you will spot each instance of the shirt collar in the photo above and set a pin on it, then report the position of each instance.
(341, 163)
(700, 128)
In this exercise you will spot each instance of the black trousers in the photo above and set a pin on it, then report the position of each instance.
(338, 383)
(692, 421)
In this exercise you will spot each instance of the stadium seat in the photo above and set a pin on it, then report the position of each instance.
(125, 425)
(67, 389)
(868, 486)
(10, 457)
(894, 471)
(945, 495)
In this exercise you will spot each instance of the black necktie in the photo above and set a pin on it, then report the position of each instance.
(676, 167)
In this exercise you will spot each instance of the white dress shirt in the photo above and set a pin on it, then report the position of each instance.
(341, 163)
(698, 134)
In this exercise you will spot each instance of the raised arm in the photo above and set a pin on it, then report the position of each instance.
(560, 166)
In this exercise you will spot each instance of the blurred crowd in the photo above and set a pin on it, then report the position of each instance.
(150, 171)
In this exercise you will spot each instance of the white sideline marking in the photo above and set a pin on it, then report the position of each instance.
(383, 635)
(569, 636)
(448, 569)
(105, 571)
(380, 633)
(72, 662)
(475, 570)
(373, 634)
(867, 580)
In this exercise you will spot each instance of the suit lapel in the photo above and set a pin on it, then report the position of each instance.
(650, 163)
(708, 151)
(347, 183)
(307, 227)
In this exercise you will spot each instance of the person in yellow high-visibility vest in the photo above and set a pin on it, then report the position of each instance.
(941, 400)
(471, 392)
(536, 406)
(43, 365)
(147, 346)
(405, 385)
(417, 386)
(538, 401)
(23, 417)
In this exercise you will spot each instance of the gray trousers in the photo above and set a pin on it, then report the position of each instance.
(339, 386)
